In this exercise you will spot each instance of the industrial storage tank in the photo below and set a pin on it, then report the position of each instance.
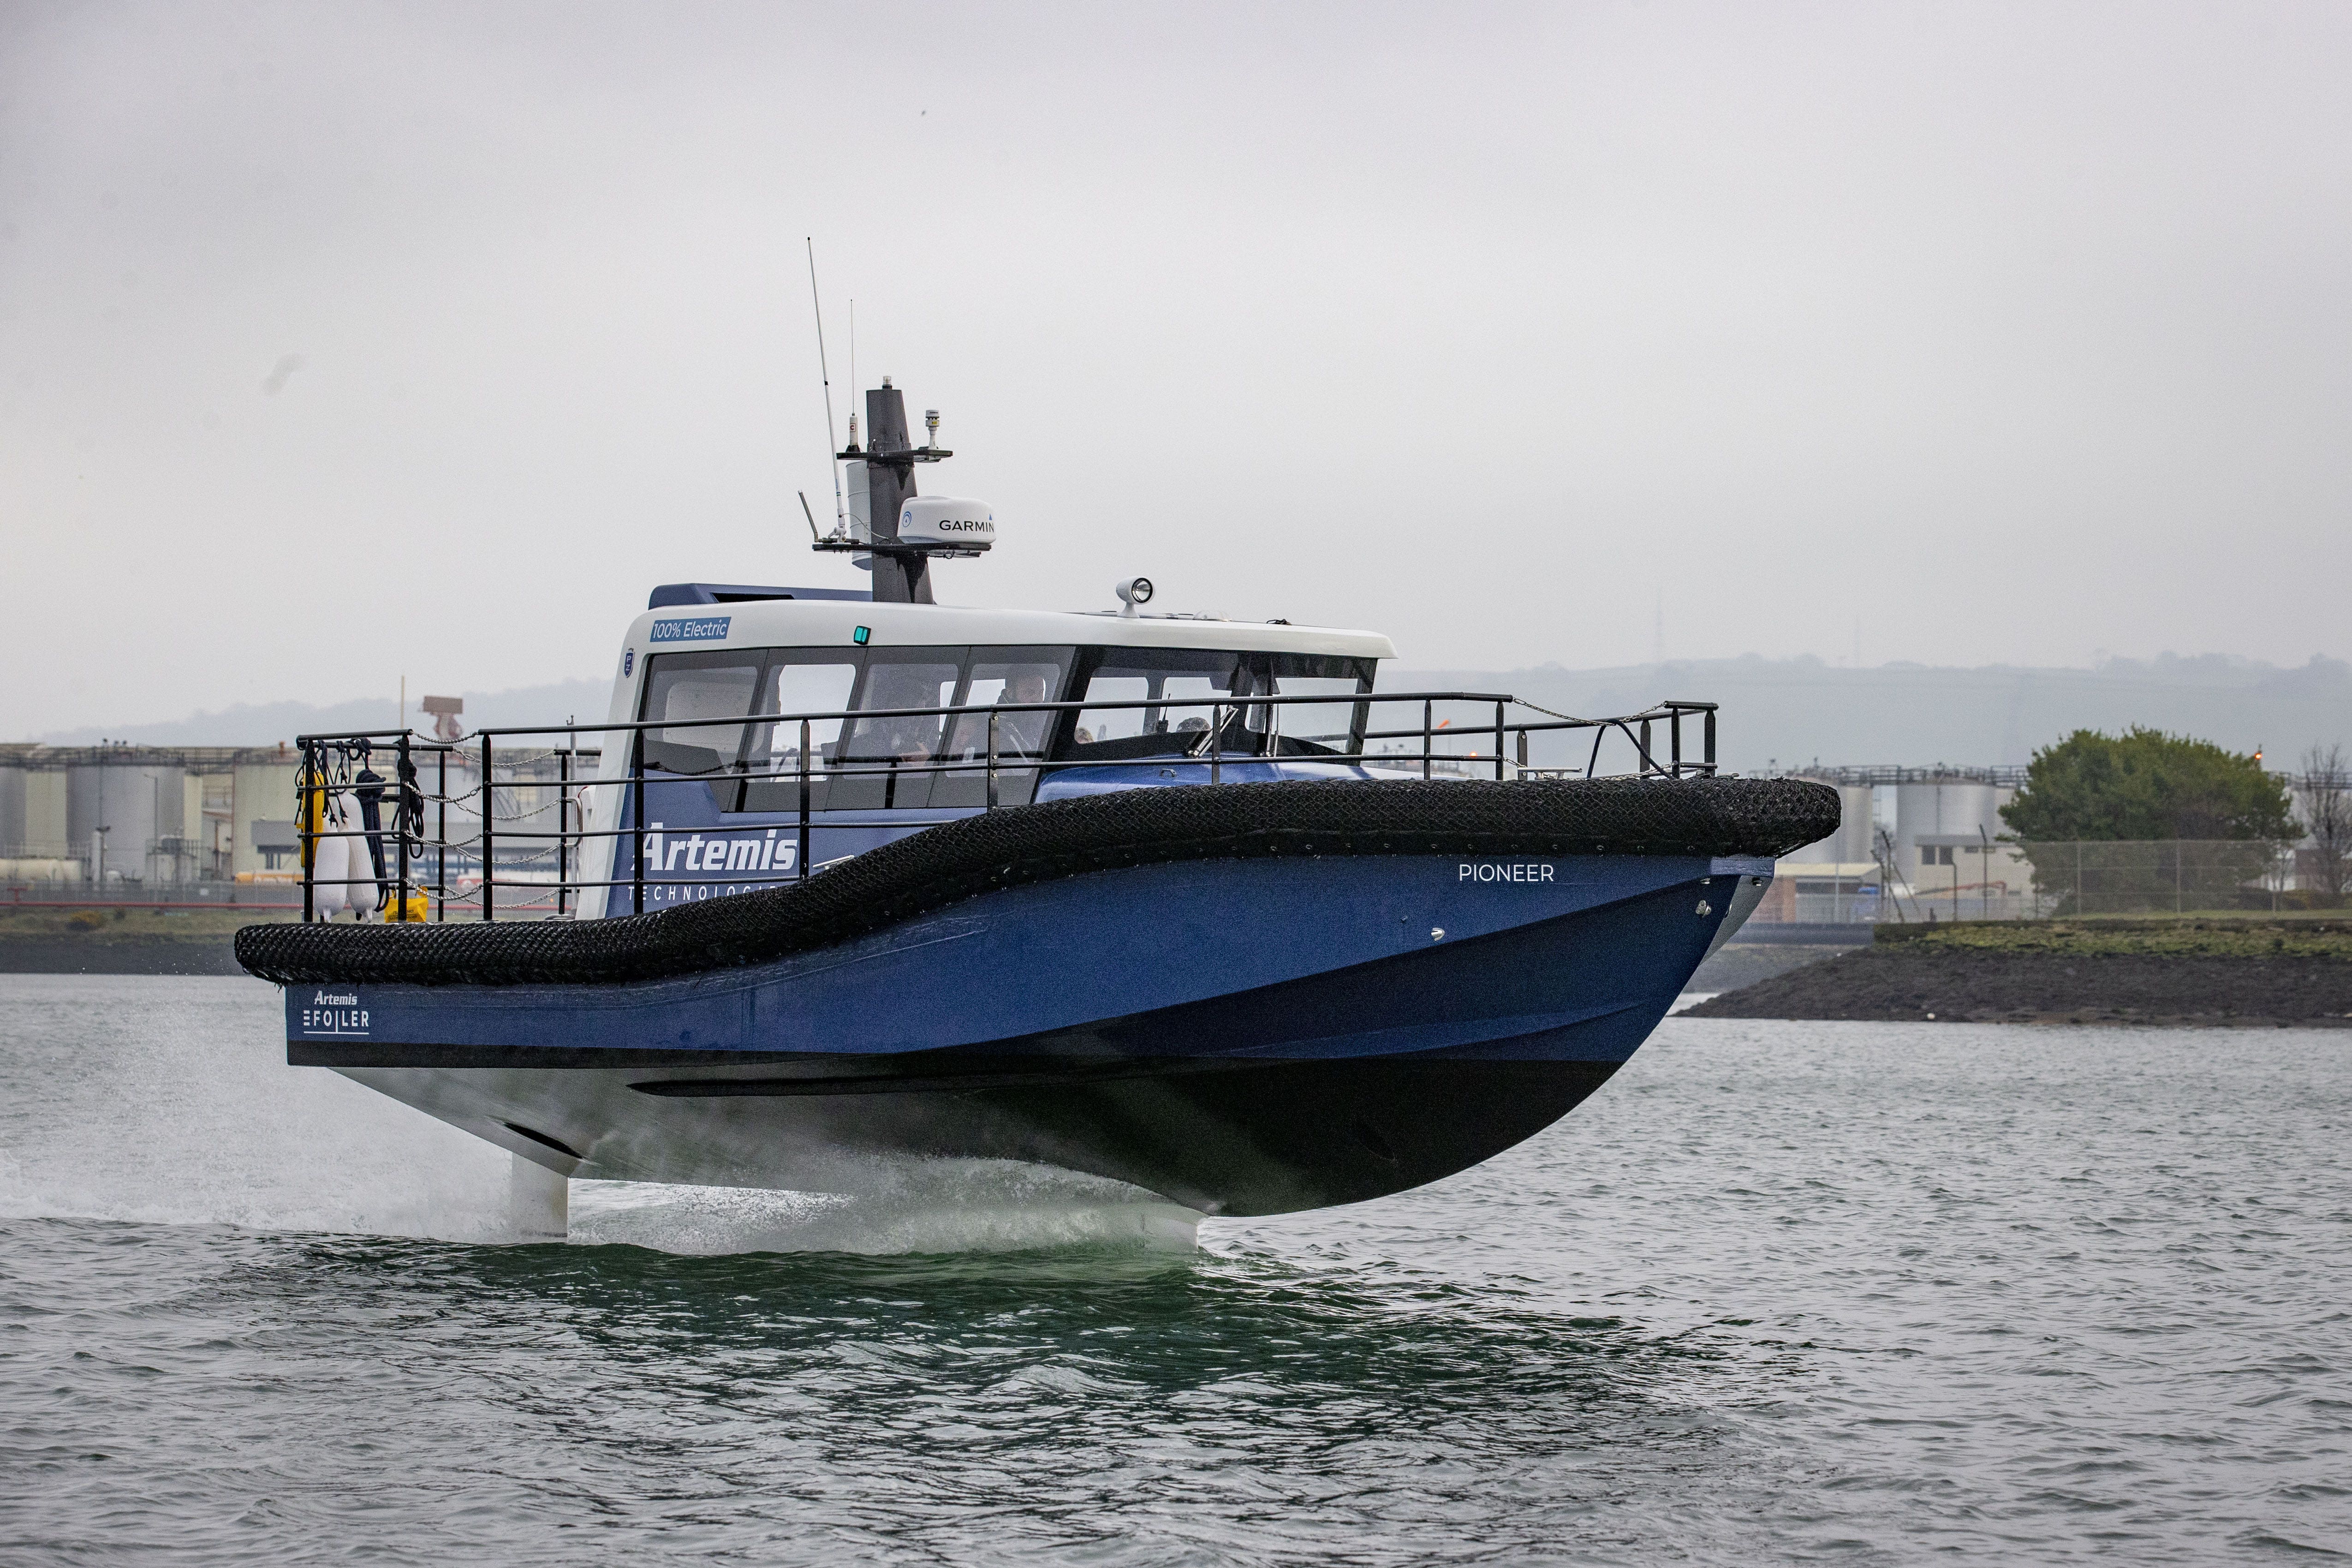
(26, 871)
(32, 804)
(137, 803)
(1953, 808)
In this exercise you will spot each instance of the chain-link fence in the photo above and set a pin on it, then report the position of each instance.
(1997, 880)
(2159, 875)
(2047, 879)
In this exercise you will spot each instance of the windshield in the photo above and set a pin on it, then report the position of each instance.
(998, 683)
(1172, 697)
(874, 759)
(912, 678)
(1167, 701)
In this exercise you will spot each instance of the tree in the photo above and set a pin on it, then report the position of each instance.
(2159, 800)
(2327, 823)
(2146, 785)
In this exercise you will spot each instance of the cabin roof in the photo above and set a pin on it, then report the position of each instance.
(817, 623)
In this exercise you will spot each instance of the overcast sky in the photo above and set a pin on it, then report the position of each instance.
(340, 342)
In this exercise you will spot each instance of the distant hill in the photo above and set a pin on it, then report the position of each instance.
(1793, 711)
(1788, 711)
(265, 724)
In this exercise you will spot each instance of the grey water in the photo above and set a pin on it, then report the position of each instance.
(1780, 1292)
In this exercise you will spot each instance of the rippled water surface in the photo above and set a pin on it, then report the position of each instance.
(1781, 1292)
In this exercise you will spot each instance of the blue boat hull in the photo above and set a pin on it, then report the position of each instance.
(1243, 1037)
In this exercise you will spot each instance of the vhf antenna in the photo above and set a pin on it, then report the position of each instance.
(840, 514)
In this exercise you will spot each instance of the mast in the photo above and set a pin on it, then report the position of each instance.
(898, 579)
(881, 481)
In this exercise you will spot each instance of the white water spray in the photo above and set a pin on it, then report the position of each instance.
(168, 1100)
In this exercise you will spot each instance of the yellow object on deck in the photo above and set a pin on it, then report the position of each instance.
(415, 906)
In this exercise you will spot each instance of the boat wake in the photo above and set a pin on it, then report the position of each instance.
(943, 1207)
(166, 1101)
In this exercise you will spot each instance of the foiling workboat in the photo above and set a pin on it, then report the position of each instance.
(1180, 900)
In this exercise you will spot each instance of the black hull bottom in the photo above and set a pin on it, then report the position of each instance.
(1234, 1140)
(1252, 1138)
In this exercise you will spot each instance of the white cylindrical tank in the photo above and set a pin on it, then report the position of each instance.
(13, 836)
(1938, 807)
(1855, 822)
(38, 869)
(33, 811)
(135, 803)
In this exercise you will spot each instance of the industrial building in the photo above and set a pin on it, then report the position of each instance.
(114, 820)
(1918, 837)
(194, 825)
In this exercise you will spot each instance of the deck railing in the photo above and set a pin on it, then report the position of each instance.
(532, 868)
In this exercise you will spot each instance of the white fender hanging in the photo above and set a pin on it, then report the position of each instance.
(329, 859)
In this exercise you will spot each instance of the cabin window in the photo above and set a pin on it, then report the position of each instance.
(685, 687)
(1182, 687)
(875, 760)
(1334, 726)
(798, 683)
(996, 676)
(800, 680)
(880, 761)
(869, 763)
(918, 677)
(996, 682)
(1187, 703)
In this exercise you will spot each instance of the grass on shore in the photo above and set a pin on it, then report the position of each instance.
(2181, 936)
(124, 922)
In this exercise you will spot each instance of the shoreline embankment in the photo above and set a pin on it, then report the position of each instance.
(2194, 972)
(124, 939)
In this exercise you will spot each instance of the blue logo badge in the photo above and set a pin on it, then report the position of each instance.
(703, 628)
(628, 661)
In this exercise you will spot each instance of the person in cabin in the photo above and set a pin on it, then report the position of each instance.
(902, 738)
(1022, 734)
(1018, 735)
